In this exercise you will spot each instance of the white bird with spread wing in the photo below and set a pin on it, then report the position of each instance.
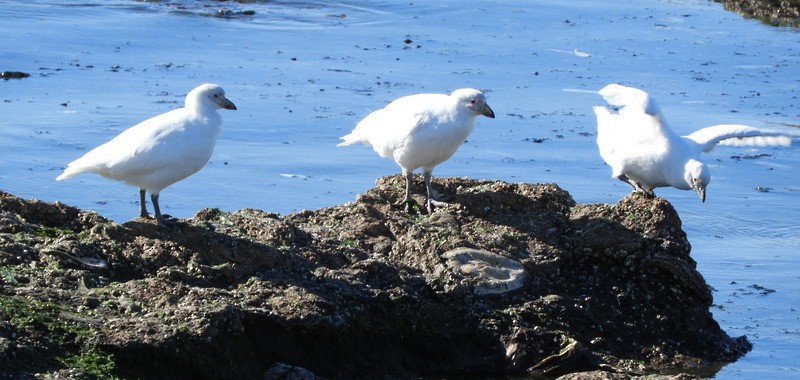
(421, 131)
(645, 153)
(161, 150)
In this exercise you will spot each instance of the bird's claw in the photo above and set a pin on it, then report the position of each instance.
(645, 193)
(638, 187)
(408, 205)
(166, 221)
(411, 206)
(430, 204)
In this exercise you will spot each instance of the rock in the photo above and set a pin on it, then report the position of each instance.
(13, 75)
(771, 12)
(283, 371)
(360, 290)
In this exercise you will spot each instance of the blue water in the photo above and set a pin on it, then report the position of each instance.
(303, 73)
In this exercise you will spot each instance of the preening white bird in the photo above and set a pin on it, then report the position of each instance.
(421, 131)
(161, 150)
(645, 153)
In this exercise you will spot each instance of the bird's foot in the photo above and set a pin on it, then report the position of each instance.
(646, 193)
(638, 188)
(430, 204)
(411, 206)
(166, 221)
(408, 205)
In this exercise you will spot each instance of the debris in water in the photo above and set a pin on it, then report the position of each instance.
(13, 75)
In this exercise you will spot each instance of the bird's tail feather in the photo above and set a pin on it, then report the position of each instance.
(778, 140)
(350, 140)
(67, 174)
(73, 170)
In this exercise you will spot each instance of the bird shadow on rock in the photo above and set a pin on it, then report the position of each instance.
(56, 215)
(193, 251)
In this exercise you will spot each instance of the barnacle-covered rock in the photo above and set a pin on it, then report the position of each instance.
(508, 279)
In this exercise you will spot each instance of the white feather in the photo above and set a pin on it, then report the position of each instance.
(783, 141)
(738, 135)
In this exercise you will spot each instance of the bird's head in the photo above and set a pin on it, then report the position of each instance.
(697, 177)
(474, 101)
(208, 95)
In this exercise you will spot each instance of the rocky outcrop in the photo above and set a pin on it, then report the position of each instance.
(508, 279)
(770, 12)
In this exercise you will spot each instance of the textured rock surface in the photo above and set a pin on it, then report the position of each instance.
(772, 12)
(357, 290)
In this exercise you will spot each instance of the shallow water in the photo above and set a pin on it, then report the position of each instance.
(302, 73)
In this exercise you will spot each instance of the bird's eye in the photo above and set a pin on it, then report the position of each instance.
(473, 101)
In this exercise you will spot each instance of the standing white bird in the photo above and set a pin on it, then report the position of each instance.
(161, 150)
(421, 130)
(645, 153)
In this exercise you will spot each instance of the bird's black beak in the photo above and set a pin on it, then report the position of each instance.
(487, 111)
(699, 188)
(228, 105)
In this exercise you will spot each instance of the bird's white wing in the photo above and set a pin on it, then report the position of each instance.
(100, 159)
(630, 100)
(630, 139)
(738, 135)
(638, 121)
(396, 121)
(128, 151)
(382, 126)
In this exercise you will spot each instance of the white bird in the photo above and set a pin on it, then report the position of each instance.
(161, 150)
(421, 131)
(645, 153)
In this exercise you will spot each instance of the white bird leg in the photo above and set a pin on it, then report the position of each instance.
(430, 202)
(161, 221)
(142, 206)
(637, 187)
(408, 176)
(408, 203)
